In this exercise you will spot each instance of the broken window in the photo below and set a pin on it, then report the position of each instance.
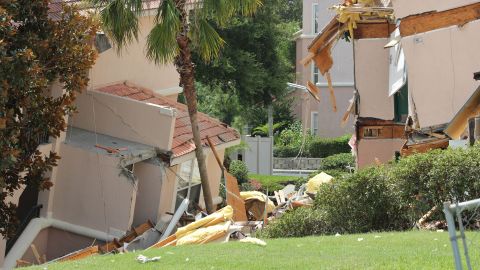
(372, 132)
(400, 102)
(188, 184)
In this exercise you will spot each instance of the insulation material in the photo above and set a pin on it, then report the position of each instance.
(404, 8)
(314, 183)
(440, 74)
(397, 67)
(372, 79)
(205, 235)
(220, 216)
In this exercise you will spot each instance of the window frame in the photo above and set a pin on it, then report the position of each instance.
(315, 18)
(315, 73)
(190, 184)
(313, 123)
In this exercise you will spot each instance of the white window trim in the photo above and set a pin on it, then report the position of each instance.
(313, 74)
(313, 18)
(312, 125)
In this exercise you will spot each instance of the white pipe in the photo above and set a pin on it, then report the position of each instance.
(33, 229)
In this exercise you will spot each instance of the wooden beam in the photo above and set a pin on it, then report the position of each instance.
(424, 147)
(83, 253)
(422, 23)
(373, 30)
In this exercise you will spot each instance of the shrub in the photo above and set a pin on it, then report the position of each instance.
(361, 202)
(324, 147)
(239, 169)
(339, 162)
(285, 151)
(296, 223)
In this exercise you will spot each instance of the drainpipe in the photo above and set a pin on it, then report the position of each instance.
(37, 225)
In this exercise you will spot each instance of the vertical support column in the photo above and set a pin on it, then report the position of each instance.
(453, 235)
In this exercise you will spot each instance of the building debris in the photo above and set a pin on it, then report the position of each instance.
(315, 182)
(144, 259)
(254, 241)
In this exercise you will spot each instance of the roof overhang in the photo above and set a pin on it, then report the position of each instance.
(206, 150)
(459, 123)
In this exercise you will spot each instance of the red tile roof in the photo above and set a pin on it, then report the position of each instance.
(182, 143)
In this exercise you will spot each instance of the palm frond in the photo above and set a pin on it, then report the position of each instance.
(162, 44)
(206, 40)
(119, 19)
(220, 11)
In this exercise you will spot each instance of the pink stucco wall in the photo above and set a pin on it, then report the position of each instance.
(382, 149)
(371, 75)
(441, 64)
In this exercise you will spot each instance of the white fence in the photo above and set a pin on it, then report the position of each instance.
(259, 154)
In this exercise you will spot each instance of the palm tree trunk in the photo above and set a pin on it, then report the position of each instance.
(185, 68)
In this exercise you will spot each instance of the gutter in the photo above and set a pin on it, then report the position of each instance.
(37, 225)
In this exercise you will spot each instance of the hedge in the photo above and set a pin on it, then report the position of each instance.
(324, 147)
(392, 196)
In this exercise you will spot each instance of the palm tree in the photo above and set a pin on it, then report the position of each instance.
(180, 27)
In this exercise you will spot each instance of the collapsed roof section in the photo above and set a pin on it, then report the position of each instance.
(182, 140)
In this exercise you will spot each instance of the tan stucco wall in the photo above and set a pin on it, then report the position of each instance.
(404, 8)
(371, 74)
(55, 243)
(132, 65)
(90, 191)
(441, 64)
(150, 179)
(382, 149)
(125, 118)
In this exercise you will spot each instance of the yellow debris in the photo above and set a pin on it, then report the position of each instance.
(222, 215)
(314, 183)
(205, 235)
(257, 195)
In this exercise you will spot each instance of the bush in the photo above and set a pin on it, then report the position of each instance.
(239, 169)
(339, 162)
(285, 151)
(361, 202)
(296, 223)
(324, 147)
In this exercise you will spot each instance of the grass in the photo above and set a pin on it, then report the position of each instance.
(399, 250)
(274, 182)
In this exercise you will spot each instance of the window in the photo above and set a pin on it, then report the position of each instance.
(372, 132)
(188, 184)
(315, 17)
(314, 123)
(315, 74)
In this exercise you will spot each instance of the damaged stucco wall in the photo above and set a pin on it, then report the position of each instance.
(371, 150)
(131, 64)
(371, 75)
(440, 65)
(125, 118)
(90, 191)
(150, 179)
(404, 8)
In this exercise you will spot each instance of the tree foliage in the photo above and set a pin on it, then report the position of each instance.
(36, 52)
(253, 69)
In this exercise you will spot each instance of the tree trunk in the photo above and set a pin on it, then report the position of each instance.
(185, 68)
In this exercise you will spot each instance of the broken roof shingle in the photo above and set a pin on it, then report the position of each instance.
(182, 142)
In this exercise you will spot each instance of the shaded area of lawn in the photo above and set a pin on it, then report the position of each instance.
(275, 182)
(399, 250)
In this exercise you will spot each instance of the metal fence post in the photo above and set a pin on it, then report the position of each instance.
(453, 235)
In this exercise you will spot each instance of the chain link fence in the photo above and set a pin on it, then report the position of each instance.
(463, 220)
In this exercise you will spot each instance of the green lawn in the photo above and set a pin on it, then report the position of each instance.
(273, 182)
(400, 250)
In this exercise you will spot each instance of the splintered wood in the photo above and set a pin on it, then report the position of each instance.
(232, 191)
(422, 23)
(313, 90)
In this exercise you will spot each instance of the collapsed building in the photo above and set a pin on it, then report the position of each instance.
(414, 66)
(127, 158)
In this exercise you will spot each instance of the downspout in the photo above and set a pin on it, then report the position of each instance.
(37, 225)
